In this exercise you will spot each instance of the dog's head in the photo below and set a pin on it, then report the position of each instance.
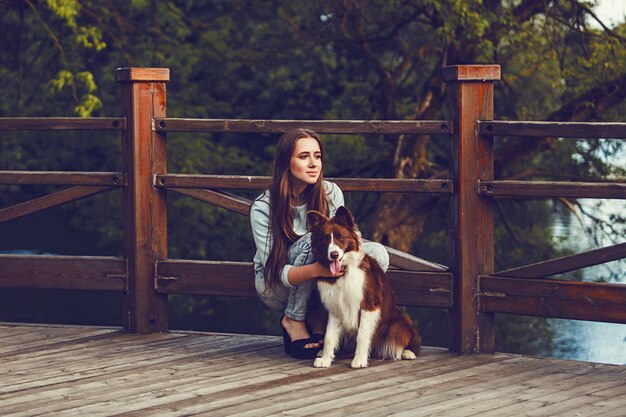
(332, 239)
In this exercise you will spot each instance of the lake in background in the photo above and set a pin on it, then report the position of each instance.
(583, 340)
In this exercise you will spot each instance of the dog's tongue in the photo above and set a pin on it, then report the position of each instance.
(335, 267)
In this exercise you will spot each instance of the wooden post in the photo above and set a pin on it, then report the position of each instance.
(144, 206)
(471, 221)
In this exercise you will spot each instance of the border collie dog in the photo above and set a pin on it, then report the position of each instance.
(361, 304)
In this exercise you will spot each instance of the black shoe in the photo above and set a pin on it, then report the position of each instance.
(318, 337)
(296, 348)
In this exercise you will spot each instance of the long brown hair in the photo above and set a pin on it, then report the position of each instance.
(282, 213)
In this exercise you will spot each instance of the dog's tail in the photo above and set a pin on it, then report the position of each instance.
(415, 344)
(404, 334)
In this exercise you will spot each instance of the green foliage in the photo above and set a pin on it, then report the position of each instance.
(66, 10)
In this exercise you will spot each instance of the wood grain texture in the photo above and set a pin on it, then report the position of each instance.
(482, 73)
(428, 289)
(242, 182)
(73, 370)
(144, 206)
(352, 127)
(219, 198)
(63, 272)
(51, 200)
(553, 189)
(552, 298)
(471, 216)
(131, 74)
(62, 123)
(567, 263)
(552, 129)
(63, 178)
(406, 261)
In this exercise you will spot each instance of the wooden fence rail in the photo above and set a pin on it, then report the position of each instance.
(62, 123)
(469, 288)
(567, 263)
(552, 189)
(63, 178)
(233, 182)
(574, 130)
(101, 273)
(51, 200)
(552, 298)
(415, 127)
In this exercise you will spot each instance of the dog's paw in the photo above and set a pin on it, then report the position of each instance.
(322, 362)
(359, 363)
(408, 355)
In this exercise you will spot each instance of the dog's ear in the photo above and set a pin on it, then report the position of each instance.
(314, 219)
(344, 217)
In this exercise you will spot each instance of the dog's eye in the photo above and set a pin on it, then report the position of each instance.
(340, 238)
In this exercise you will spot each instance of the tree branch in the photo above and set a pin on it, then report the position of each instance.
(58, 46)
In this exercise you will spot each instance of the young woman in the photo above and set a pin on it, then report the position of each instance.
(285, 271)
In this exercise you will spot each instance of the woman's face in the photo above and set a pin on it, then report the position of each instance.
(306, 163)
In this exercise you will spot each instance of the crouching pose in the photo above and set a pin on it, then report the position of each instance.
(285, 271)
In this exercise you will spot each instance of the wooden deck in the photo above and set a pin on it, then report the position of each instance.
(84, 371)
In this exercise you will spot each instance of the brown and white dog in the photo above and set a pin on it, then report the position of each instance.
(361, 303)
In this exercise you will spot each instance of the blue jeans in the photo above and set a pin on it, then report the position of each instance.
(295, 302)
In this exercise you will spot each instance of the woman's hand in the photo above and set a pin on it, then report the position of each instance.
(323, 272)
(299, 274)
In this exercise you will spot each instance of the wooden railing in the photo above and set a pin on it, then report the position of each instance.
(469, 288)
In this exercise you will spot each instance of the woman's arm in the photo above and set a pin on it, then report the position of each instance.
(260, 225)
(335, 197)
(299, 274)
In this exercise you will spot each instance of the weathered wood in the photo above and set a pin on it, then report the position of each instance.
(63, 272)
(385, 185)
(424, 289)
(480, 73)
(205, 278)
(553, 189)
(63, 178)
(143, 74)
(242, 182)
(567, 263)
(552, 129)
(218, 198)
(416, 127)
(50, 200)
(226, 182)
(62, 123)
(552, 298)
(428, 289)
(459, 387)
(191, 373)
(341, 394)
(546, 391)
(272, 399)
(406, 261)
(144, 206)
(471, 217)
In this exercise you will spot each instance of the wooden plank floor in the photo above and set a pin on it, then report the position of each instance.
(83, 371)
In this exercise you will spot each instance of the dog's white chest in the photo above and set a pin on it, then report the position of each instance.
(343, 298)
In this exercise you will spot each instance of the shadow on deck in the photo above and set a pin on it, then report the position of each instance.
(71, 370)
